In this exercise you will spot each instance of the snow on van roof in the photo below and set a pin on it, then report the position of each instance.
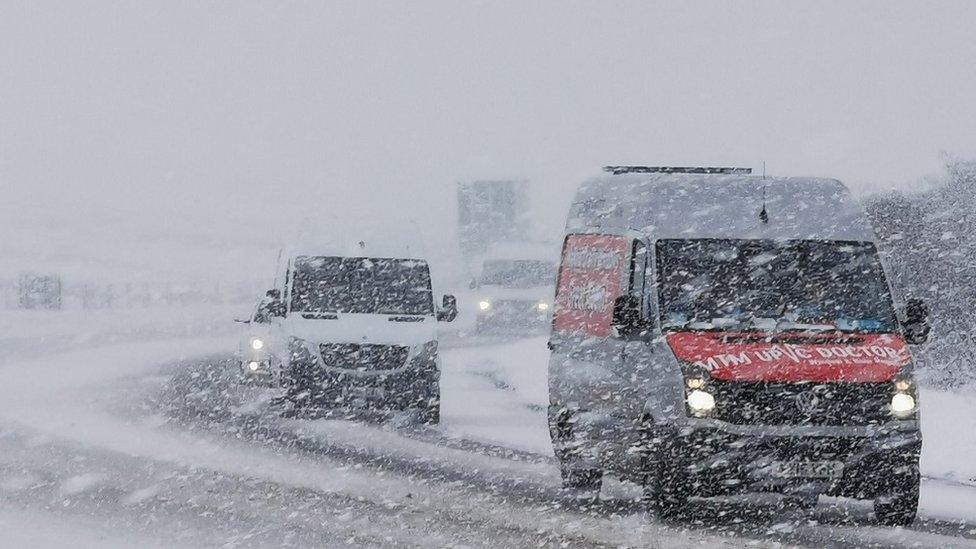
(664, 205)
(360, 248)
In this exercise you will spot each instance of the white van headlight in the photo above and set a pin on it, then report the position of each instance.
(542, 306)
(257, 344)
(902, 405)
(484, 304)
(701, 402)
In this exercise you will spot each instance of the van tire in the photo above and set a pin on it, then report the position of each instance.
(581, 480)
(431, 415)
(666, 492)
(900, 507)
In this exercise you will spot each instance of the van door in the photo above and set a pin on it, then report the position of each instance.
(586, 368)
(639, 348)
(593, 395)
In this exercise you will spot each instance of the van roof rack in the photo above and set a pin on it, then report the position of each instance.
(618, 170)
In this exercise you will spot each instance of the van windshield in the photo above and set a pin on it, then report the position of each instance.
(361, 285)
(718, 284)
(518, 273)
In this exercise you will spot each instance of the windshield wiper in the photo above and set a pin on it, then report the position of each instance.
(402, 318)
(320, 316)
(783, 325)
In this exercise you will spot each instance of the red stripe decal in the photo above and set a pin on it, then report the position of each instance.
(793, 357)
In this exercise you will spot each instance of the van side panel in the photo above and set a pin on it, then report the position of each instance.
(589, 281)
(594, 399)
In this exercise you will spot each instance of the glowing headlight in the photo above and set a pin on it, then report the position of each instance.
(257, 344)
(701, 402)
(253, 366)
(902, 405)
(543, 306)
(484, 305)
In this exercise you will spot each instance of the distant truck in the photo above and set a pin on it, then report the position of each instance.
(514, 288)
(490, 212)
(39, 292)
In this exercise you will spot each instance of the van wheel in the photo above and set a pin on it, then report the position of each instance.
(582, 480)
(900, 507)
(666, 492)
(431, 414)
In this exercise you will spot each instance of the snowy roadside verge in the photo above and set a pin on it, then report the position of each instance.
(27, 333)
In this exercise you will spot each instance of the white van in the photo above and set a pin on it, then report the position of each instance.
(514, 288)
(717, 333)
(359, 332)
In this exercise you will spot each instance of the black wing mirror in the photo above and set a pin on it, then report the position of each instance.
(915, 323)
(626, 316)
(448, 311)
(275, 306)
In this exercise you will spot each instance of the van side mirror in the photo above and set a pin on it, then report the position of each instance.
(915, 321)
(448, 311)
(274, 307)
(626, 316)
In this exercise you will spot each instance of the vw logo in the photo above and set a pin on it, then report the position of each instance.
(807, 402)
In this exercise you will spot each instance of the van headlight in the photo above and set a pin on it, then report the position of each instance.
(700, 402)
(903, 405)
(542, 306)
(484, 304)
(257, 344)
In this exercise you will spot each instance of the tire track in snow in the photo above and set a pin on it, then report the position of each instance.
(828, 526)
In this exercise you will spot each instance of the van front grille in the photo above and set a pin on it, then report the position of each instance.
(363, 357)
(760, 403)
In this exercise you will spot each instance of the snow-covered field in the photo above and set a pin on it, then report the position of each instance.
(127, 430)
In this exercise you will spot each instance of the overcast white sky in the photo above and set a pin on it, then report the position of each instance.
(129, 125)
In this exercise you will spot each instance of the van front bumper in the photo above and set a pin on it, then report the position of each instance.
(865, 461)
(415, 386)
(718, 458)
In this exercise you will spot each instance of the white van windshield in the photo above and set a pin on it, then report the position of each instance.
(518, 273)
(718, 284)
(361, 285)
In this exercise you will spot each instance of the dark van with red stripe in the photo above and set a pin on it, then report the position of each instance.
(717, 333)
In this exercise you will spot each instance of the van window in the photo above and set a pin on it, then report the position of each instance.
(638, 266)
(517, 273)
(590, 278)
(361, 285)
(719, 284)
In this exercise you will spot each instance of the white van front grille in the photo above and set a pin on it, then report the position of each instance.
(363, 357)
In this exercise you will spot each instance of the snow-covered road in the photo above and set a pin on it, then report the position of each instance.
(154, 443)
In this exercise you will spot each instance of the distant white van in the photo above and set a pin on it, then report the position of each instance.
(514, 288)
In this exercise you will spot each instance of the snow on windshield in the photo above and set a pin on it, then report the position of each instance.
(836, 284)
(361, 285)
